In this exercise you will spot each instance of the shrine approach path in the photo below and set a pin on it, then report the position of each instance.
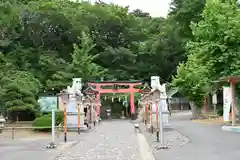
(109, 140)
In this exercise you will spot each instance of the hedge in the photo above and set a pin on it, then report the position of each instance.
(46, 121)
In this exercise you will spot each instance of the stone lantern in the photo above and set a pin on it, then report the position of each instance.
(156, 97)
(92, 94)
(87, 103)
(95, 102)
(64, 96)
(65, 99)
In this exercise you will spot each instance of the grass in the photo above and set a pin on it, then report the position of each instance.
(19, 134)
(213, 119)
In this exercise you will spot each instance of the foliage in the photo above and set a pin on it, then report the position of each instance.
(46, 121)
(59, 117)
(184, 12)
(82, 65)
(213, 52)
(21, 91)
(192, 80)
(45, 43)
(22, 113)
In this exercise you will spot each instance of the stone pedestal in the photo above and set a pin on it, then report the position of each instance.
(72, 108)
(123, 117)
(165, 112)
(133, 116)
(155, 84)
(72, 115)
(165, 115)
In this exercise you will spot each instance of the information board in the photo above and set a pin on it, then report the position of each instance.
(48, 103)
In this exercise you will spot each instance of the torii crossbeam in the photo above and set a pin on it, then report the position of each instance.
(117, 87)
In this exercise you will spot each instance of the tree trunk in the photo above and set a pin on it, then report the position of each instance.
(195, 110)
(210, 104)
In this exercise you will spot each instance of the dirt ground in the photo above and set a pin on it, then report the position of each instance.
(210, 121)
(28, 134)
(19, 134)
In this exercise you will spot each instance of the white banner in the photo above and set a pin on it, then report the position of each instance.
(227, 100)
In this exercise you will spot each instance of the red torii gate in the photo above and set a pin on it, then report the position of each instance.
(98, 86)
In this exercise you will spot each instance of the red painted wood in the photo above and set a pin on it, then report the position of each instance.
(132, 105)
(118, 90)
(130, 90)
(109, 84)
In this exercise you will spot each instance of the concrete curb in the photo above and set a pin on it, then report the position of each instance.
(145, 152)
(231, 129)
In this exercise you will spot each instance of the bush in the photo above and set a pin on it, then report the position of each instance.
(44, 121)
(59, 116)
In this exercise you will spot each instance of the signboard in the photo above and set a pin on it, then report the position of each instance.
(47, 104)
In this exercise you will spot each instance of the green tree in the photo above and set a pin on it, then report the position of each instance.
(83, 62)
(50, 42)
(213, 53)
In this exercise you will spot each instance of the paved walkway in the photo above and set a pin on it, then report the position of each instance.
(24, 149)
(111, 140)
(33, 148)
(207, 142)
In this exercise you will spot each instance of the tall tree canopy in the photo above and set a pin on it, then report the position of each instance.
(45, 43)
(213, 52)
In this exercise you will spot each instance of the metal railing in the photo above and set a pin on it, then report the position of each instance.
(178, 103)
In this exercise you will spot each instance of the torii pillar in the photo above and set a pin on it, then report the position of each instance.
(98, 87)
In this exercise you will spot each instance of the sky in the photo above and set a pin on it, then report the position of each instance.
(156, 8)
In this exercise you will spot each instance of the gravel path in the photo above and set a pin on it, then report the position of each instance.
(172, 139)
(111, 140)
